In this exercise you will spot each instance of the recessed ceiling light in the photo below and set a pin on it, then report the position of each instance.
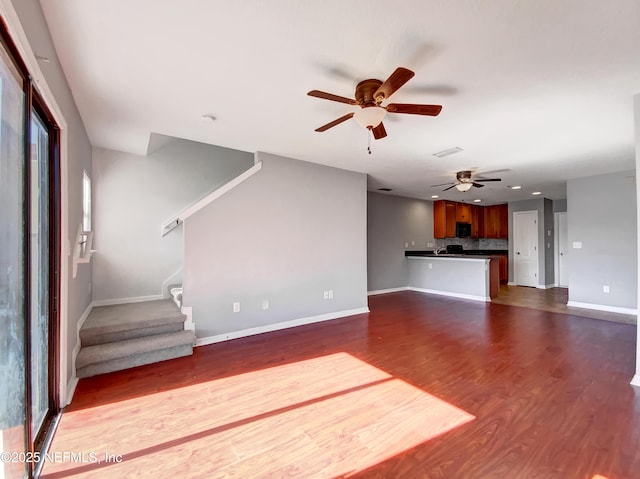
(435, 196)
(477, 201)
(515, 187)
(450, 151)
(537, 193)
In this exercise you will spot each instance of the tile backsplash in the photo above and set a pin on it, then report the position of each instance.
(472, 244)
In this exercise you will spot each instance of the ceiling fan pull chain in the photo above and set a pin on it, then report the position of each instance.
(369, 140)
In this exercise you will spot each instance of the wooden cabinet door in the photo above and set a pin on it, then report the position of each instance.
(463, 212)
(450, 213)
(477, 221)
(439, 219)
(502, 221)
(489, 222)
(504, 268)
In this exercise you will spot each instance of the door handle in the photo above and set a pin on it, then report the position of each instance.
(518, 252)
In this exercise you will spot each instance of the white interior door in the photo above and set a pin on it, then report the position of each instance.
(562, 266)
(525, 248)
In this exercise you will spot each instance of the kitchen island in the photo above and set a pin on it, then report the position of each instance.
(475, 277)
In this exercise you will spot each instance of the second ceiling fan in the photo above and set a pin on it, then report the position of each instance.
(465, 182)
(369, 96)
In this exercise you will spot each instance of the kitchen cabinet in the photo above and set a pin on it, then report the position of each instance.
(444, 219)
(504, 268)
(463, 212)
(496, 221)
(486, 222)
(477, 221)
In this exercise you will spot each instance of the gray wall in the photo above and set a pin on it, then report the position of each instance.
(134, 195)
(286, 235)
(78, 154)
(602, 215)
(392, 222)
(560, 206)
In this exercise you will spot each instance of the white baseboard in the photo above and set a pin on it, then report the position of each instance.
(188, 323)
(385, 291)
(511, 283)
(545, 286)
(71, 388)
(136, 299)
(73, 380)
(484, 299)
(636, 380)
(278, 326)
(602, 307)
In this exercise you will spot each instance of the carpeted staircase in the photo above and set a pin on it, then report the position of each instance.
(127, 335)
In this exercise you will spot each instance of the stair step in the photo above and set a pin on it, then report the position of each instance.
(103, 358)
(119, 322)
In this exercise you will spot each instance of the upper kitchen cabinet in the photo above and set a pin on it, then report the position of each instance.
(496, 221)
(477, 221)
(463, 212)
(444, 219)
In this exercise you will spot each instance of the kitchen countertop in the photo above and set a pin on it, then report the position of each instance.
(475, 252)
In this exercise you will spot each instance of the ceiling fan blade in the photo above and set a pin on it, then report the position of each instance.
(379, 131)
(477, 185)
(393, 83)
(430, 110)
(332, 97)
(442, 184)
(480, 180)
(450, 187)
(334, 122)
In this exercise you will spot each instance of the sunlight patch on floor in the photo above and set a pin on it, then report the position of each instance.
(323, 417)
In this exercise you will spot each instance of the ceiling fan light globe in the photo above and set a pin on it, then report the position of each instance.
(370, 116)
(463, 186)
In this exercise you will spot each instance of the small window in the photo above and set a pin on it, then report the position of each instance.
(86, 202)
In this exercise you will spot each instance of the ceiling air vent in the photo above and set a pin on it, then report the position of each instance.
(385, 189)
(450, 151)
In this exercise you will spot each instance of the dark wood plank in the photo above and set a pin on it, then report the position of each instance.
(422, 386)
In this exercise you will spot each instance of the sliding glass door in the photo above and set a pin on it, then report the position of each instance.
(29, 268)
(13, 401)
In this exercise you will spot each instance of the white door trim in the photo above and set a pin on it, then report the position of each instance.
(21, 41)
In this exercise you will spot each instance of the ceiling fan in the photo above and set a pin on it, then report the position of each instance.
(465, 182)
(369, 96)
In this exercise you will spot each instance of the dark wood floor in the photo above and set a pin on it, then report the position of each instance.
(421, 387)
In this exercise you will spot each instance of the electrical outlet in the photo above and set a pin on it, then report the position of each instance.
(413, 243)
(430, 266)
(605, 288)
(406, 245)
(330, 294)
(236, 307)
(265, 304)
(326, 295)
(577, 244)
(429, 245)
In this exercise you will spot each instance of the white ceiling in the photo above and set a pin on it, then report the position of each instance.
(543, 89)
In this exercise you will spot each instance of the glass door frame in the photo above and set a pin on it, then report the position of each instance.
(35, 103)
